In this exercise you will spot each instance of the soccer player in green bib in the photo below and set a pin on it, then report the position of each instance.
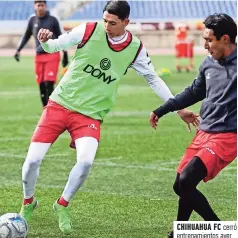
(84, 96)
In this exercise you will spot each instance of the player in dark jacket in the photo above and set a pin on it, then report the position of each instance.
(215, 144)
(46, 65)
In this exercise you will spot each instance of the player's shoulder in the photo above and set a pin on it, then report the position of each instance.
(208, 60)
(134, 41)
(31, 17)
(54, 18)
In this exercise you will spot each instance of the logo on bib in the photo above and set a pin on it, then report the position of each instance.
(105, 64)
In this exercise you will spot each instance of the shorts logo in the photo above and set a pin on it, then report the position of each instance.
(211, 151)
(93, 126)
(105, 64)
(51, 73)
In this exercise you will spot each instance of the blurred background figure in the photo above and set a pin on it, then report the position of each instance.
(183, 48)
(46, 65)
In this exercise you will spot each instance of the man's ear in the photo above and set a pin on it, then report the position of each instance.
(126, 21)
(226, 39)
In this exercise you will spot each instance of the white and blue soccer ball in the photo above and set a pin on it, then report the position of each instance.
(13, 225)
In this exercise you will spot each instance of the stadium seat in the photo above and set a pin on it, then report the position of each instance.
(160, 10)
(144, 11)
(19, 10)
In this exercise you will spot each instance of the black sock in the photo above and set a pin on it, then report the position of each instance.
(190, 177)
(43, 94)
(203, 208)
(185, 209)
(49, 87)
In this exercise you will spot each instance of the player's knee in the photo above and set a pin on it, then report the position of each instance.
(85, 158)
(83, 168)
(33, 161)
(36, 153)
(184, 184)
(86, 165)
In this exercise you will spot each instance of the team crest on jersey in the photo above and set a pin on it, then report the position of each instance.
(105, 64)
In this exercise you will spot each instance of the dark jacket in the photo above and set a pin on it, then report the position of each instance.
(216, 85)
(35, 23)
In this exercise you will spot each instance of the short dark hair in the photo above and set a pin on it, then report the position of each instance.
(221, 24)
(40, 1)
(118, 8)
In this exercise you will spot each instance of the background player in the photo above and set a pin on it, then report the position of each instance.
(46, 65)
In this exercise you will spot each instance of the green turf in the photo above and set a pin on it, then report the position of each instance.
(129, 190)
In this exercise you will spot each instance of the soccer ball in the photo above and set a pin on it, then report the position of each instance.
(12, 225)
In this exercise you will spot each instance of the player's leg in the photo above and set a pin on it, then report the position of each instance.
(49, 88)
(39, 71)
(50, 126)
(30, 173)
(218, 150)
(189, 197)
(190, 177)
(51, 68)
(86, 150)
(185, 209)
(43, 94)
(85, 133)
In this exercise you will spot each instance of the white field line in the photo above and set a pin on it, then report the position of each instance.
(13, 93)
(153, 165)
(15, 139)
(97, 162)
(21, 156)
(19, 118)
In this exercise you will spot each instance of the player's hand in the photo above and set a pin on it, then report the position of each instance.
(65, 59)
(17, 56)
(44, 35)
(190, 118)
(153, 120)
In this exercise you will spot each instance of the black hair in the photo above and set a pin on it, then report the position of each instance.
(222, 24)
(40, 1)
(118, 8)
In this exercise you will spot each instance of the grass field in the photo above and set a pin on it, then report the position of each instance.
(129, 190)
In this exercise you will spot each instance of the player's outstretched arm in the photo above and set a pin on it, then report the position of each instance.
(191, 95)
(144, 67)
(64, 41)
